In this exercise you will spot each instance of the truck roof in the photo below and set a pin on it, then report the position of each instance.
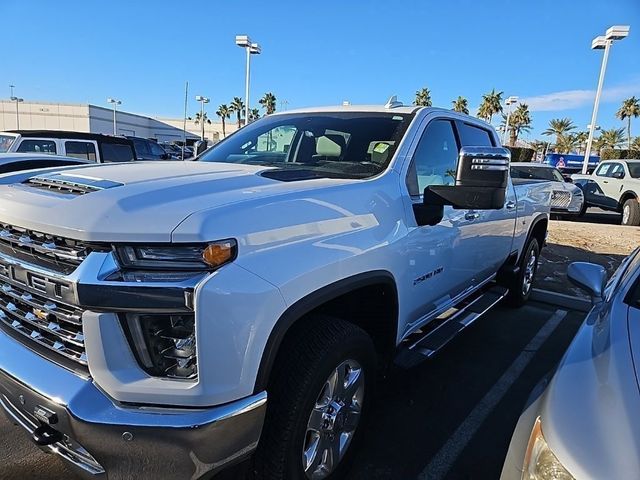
(71, 135)
(357, 108)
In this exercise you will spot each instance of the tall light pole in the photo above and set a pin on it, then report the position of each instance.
(244, 41)
(602, 42)
(115, 104)
(11, 87)
(202, 101)
(18, 101)
(509, 101)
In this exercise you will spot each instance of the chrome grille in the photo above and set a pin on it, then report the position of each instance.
(61, 251)
(55, 326)
(560, 199)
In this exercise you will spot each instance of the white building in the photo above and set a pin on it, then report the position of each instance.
(81, 117)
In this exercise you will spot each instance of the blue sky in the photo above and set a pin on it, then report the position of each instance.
(321, 52)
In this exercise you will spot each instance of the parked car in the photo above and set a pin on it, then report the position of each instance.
(583, 422)
(13, 162)
(566, 198)
(615, 186)
(182, 316)
(94, 147)
(149, 149)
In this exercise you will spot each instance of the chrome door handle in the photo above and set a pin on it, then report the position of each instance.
(471, 215)
(510, 205)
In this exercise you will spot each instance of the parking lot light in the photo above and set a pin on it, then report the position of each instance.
(509, 101)
(251, 48)
(601, 42)
(18, 101)
(202, 100)
(115, 104)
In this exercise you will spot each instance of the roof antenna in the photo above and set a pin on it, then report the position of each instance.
(393, 102)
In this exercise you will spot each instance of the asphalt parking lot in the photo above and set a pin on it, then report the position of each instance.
(449, 418)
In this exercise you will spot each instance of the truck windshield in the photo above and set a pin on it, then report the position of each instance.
(308, 145)
(634, 169)
(536, 173)
(5, 142)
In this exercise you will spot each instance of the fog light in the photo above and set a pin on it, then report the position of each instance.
(164, 345)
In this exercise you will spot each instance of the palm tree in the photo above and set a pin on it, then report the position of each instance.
(630, 108)
(237, 105)
(461, 105)
(612, 138)
(568, 143)
(635, 145)
(224, 112)
(268, 102)
(559, 127)
(491, 104)
(539, 146)
(423, 98)
(519, 121)
(582, 138)
(254, 114)
(201, 120)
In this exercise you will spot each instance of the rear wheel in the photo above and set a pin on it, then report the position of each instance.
(631, 212)
(520, 291)
(318, 400)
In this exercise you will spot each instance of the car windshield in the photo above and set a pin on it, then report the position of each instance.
(5, 142)
(308, 145)
(634, 169)
(536, 173)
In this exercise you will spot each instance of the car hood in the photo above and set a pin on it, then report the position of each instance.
(590, 409)
(133, 201)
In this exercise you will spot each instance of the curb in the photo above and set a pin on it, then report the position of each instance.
(561, 300)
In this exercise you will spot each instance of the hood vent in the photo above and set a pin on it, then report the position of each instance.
(70, 184)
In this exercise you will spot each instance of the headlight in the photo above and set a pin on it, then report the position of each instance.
(164, 345)
(178, 257)
(540, 463)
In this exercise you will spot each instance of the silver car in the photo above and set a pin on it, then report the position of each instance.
(566, 198)
(584, 422)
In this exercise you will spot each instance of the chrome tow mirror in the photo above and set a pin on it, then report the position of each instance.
(589, 277)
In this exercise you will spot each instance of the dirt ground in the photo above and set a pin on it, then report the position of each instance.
(570, 241)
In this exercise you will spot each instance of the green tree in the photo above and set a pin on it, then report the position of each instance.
(268, 102)
(423, 98)
(630, 108)
(491, 104)
(224, 112)
(582, 138)
(559, 127)
(635, 145)
(201, 119)
(519, 121)
(461, 105)
(254, 114)
(237, 106)
(540, 146)
(612, 138)
(568, 143)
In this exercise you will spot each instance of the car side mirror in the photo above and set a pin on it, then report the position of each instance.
(589, 277)
(481, 180)
(199, 147)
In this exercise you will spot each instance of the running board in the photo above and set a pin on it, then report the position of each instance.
(423, 344)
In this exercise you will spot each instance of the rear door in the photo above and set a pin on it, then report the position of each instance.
(490, 232)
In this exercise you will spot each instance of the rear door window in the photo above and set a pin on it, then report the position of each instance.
(84, 150)
(37, 145)
(116, 152)
(142, 149)
(156, 150)
(472, 136)
(616, 168)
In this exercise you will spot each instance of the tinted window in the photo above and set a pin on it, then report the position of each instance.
(603, 170)
(308, 145)
(156, 150)
(474, 136)
(142, 149)
(83, 150)
(634, 169)
(435, 159)
(114, 152)
(536, 173)
(40, 146)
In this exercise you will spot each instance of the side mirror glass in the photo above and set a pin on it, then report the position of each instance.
(481, 180)
(589, 277)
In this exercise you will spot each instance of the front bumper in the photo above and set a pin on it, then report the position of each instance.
(104, 439)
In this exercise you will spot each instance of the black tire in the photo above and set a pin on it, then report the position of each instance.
(311, 354)
(518, 294)
(633, 216)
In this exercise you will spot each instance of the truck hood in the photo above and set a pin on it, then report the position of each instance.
(133, 201)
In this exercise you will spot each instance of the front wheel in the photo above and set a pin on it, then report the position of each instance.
(520, 291)
(631, 212)
(318, 400)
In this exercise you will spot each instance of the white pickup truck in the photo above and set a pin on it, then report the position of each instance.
(168, 320)
(614, 185)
